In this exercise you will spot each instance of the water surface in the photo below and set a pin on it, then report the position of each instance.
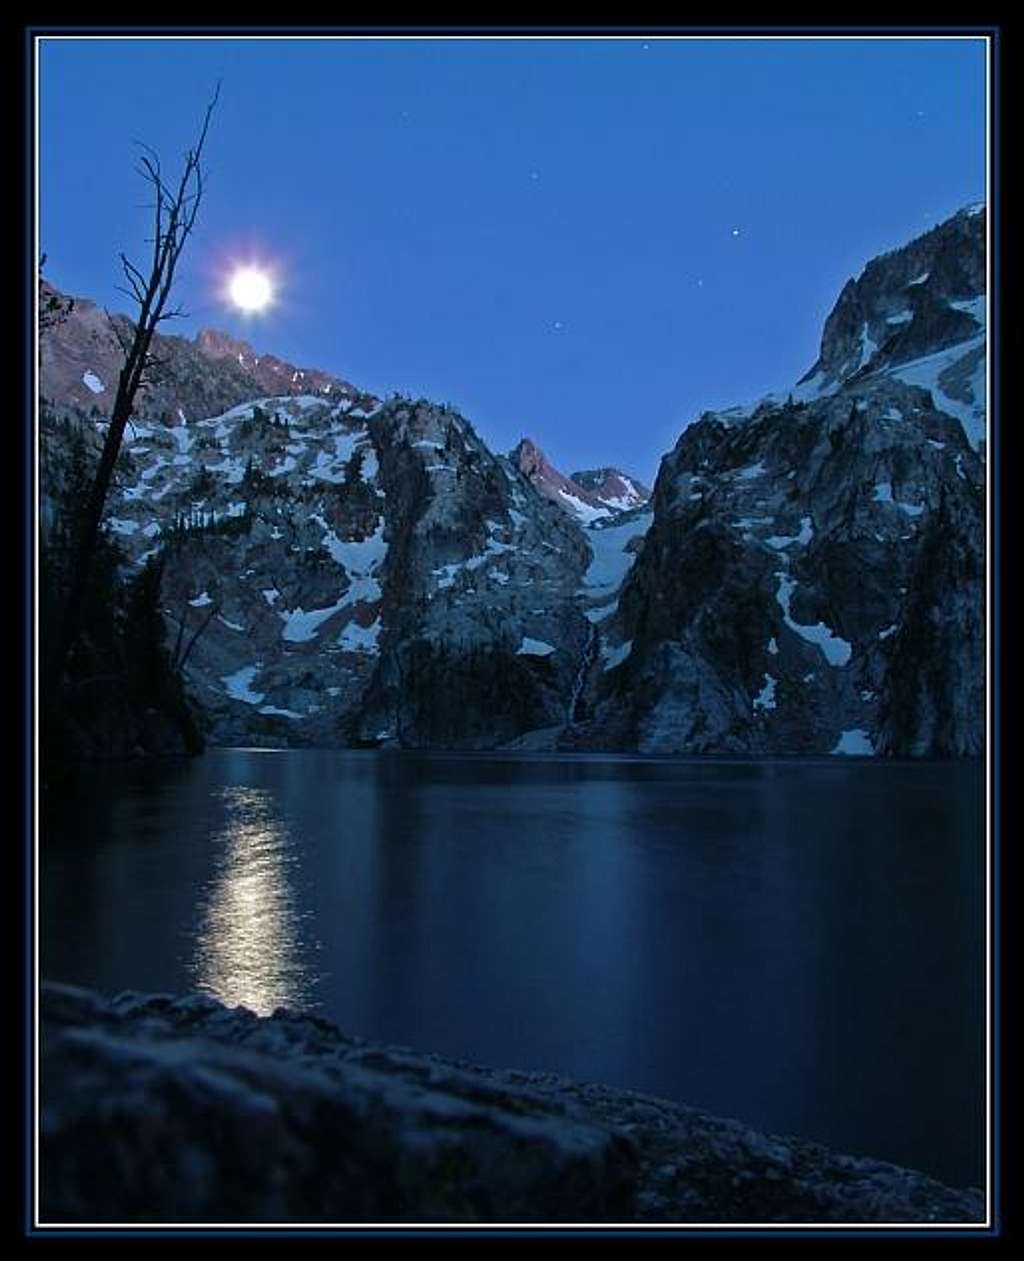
(796, 944)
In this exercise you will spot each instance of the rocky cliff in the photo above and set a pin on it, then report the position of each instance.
(813, 580)
(355, 577)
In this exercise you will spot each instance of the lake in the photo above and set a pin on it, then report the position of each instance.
(797, 944)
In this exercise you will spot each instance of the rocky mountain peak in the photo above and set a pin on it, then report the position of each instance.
(914, 301)
(813, 578)
(271, 375)
(613, 488)
(593, 495)
(80, 360)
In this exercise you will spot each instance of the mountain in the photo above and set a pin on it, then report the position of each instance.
(590, 496)
(357, 576)
(613, 489)
(267, 373)
(80, 360)
(916, 314)
(806, 578)
(813, 578)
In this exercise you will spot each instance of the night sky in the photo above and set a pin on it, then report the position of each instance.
(586, 241)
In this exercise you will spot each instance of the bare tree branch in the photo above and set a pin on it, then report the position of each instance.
(195, 638)
(174, 216)
(123, 339)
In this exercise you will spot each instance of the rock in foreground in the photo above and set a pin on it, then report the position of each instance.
(164, 1110)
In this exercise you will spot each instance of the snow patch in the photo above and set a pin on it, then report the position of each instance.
(358, 557)
(854, 743)
(534, 648)
(615, 656)
(926, 371)
(835, 650)
(237, 685)
(780, 541)
(121, 525)
(765, 699)
(974, 307)
(868, 347)
(610, 561)
(356, 638)
(586, 513)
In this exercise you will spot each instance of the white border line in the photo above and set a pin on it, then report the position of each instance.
(965, 1228)
(990, 432)
(36, 535)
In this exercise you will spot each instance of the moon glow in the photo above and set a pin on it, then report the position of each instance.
(250, 289)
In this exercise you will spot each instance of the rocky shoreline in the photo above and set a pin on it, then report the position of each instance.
(168, 1110)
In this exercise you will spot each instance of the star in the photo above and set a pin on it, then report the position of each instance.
(735, 231)
(534, 175)
(558, 325)
(700, 284)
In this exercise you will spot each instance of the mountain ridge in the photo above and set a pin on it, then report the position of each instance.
(806, 577)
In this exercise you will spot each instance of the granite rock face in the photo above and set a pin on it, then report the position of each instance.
(161, 1110)
(910, 304)
(336, 576)
(813, 580)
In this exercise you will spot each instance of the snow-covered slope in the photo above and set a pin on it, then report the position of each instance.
(918, 314)
(354, 576)
(591, 496)
(615, 490)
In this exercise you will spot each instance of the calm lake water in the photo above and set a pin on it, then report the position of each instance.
(796, 944)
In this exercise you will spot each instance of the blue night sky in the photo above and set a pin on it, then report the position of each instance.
(541, 232)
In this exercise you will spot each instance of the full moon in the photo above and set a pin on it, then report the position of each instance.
(250, 289)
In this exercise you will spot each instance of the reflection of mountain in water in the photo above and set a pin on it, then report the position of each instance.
(250, 948)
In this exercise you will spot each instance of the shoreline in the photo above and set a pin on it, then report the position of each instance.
(162, 1110)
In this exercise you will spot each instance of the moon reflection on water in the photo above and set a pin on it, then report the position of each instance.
(251, 948)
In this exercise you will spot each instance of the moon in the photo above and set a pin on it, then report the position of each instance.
(250, 289)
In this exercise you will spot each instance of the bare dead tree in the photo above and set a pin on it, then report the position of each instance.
(179, 658)
(180, 662)
(174, 209)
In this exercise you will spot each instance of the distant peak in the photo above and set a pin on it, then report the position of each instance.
(219, 345)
